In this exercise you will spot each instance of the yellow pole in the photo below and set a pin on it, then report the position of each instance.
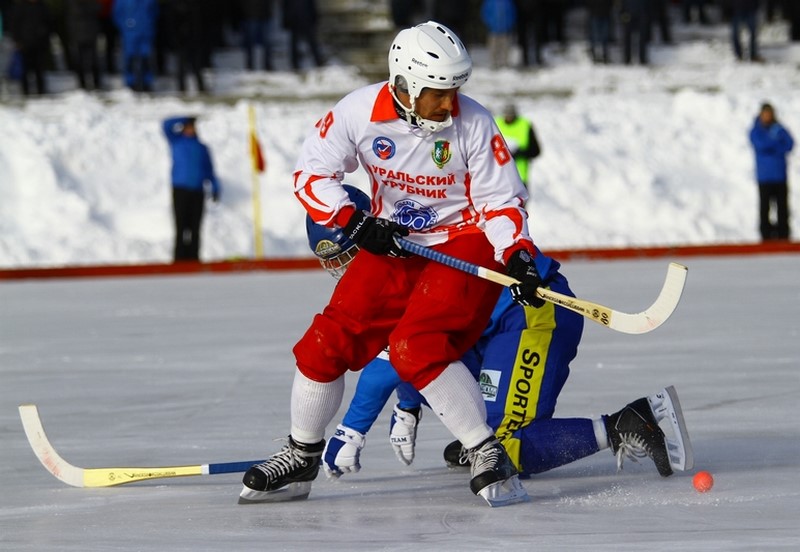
(258, 240)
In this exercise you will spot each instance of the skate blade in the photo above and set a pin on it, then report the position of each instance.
(292, 491)
(505, 493)
(665, 405)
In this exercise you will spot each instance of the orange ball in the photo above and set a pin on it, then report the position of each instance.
(703, 481)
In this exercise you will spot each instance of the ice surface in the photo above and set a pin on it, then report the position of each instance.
(197, 369)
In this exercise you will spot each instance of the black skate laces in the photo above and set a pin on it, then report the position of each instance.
(282, 462)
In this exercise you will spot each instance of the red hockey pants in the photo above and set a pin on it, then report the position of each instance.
(429, 314)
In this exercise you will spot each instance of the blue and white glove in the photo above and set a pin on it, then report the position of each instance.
(342, 452)
(403, 433)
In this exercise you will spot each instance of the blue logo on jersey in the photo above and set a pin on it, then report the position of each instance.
(383, 147)
(414, 215)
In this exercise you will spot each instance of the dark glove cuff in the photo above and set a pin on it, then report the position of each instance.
(520, 263)
(519, 246)
(355, 223)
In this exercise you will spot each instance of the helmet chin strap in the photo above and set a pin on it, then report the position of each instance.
(413, 118)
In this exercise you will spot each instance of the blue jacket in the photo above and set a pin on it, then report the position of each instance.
(379, 379)
(191, 161)
(136, 18)
(771, 144)
(499, 16)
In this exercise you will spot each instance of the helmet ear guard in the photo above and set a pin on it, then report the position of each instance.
(427, 56)
(333, 249)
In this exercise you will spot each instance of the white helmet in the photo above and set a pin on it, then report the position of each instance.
(427, 56)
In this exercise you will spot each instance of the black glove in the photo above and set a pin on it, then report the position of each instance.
(521, 267)
(374, 234)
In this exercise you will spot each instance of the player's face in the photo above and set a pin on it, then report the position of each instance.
(434, 104)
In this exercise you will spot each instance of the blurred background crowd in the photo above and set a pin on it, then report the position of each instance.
(175, 45)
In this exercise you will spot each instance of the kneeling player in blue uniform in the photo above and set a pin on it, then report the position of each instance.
(522, 362)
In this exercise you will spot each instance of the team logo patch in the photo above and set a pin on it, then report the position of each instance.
(441, 153)
(326, 249)
(383, 147)
(489, 381)
(414, 215)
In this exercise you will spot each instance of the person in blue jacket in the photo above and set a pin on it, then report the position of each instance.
(136, 21)
(522, 363)
(500, 19)
(771, 144)
(192, 173)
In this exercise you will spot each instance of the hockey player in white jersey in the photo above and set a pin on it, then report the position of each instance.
(441, 174)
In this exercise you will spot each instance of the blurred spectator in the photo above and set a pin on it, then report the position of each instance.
(30, 27)
(690, 7)
(59, 32)
(256, 30)
(404, 12)
(771, 7)
(599, 12)
(453, 14)
(192, 171)
(771, 144)
(745, 12)
(300, 18)
(83, 29)
(530, 31)
(110, 35)
(791, 11)
(216, 14)
(659, 17)
(500, 19)
(634, 17)
(554, 21)
(520, 138)
(185, 22)
(136, 21)
(5, 8)
(163, 38)
(14, 69)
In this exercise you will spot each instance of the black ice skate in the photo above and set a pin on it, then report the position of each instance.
(634, 432)
(494, 476)
(456, 456)
(286, 475)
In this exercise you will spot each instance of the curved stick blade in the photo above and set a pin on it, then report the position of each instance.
(657, 313)
(47, 455)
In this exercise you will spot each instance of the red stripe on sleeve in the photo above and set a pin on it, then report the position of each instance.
(316, 214)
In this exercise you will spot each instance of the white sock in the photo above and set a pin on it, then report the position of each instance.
(314, 405)
(600, 433)
(455, 397)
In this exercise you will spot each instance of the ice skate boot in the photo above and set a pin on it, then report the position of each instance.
(634, 432)
(286, 475)
(455, 455)
(494, 476)
(666, 406)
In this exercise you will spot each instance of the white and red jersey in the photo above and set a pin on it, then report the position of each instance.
(461, 179)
